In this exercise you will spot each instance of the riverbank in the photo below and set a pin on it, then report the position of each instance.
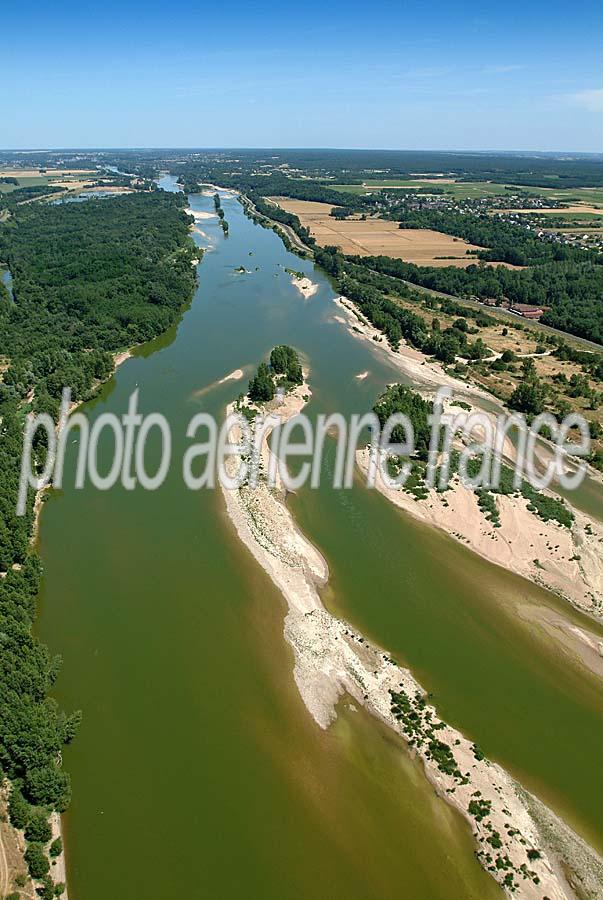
(118, 360)
(566, 561)
(59, 869)
(429, 373)
(12, 850)
(331, 659)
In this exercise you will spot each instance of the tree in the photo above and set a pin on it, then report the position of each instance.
(400, 399)
(261, 387)
(18, 808)
(49, 786)
(38, 829)
(36, 861)
(448, 349)
(285, 361)
(528, 397)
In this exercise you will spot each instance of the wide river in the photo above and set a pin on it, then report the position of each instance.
(197, 771)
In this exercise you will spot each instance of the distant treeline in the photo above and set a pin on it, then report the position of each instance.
(270, 186)
(352, 166)
(342, 166)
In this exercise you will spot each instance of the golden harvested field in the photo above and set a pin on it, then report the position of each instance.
(375, 237)
(49, 173)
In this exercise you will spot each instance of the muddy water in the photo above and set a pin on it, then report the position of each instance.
(197, 770)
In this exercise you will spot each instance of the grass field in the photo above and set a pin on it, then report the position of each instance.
(32, 177)
(410, 184)
(592, 196)
(27, 181)
(373, 237)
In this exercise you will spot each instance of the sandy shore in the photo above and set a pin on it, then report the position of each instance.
(58, 868)
(332, 659)
(567, 561)
(120, 358)
(232, 376)
(200, 215)
(408, 361)
(305, 286)
(429, 374)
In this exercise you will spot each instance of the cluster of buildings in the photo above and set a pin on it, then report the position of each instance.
(525, 310)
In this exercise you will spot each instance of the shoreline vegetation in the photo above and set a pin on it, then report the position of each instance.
(385, 290)
(566, 560)
(220, 213)
(400, 341)
(530, 264)
(510, 827)
(268, 530)
(42, 246)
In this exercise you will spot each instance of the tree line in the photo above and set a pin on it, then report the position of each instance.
(89, 279)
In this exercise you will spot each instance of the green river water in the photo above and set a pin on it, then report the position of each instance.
(197, 771)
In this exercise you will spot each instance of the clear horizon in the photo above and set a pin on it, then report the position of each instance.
(133, 76)
(210, 149)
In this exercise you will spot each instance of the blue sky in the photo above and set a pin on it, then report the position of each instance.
(408, 75)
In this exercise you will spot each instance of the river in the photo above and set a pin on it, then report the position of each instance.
(197, 770)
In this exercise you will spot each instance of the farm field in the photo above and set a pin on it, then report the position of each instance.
(27, 181)
(374, 237)
(70, 178)
(410, 183)
(458, 189)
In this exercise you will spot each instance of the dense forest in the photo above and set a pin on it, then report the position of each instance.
(11, 201)
(530, 170)
(88, 279)
(573, 291)
(274, 185)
